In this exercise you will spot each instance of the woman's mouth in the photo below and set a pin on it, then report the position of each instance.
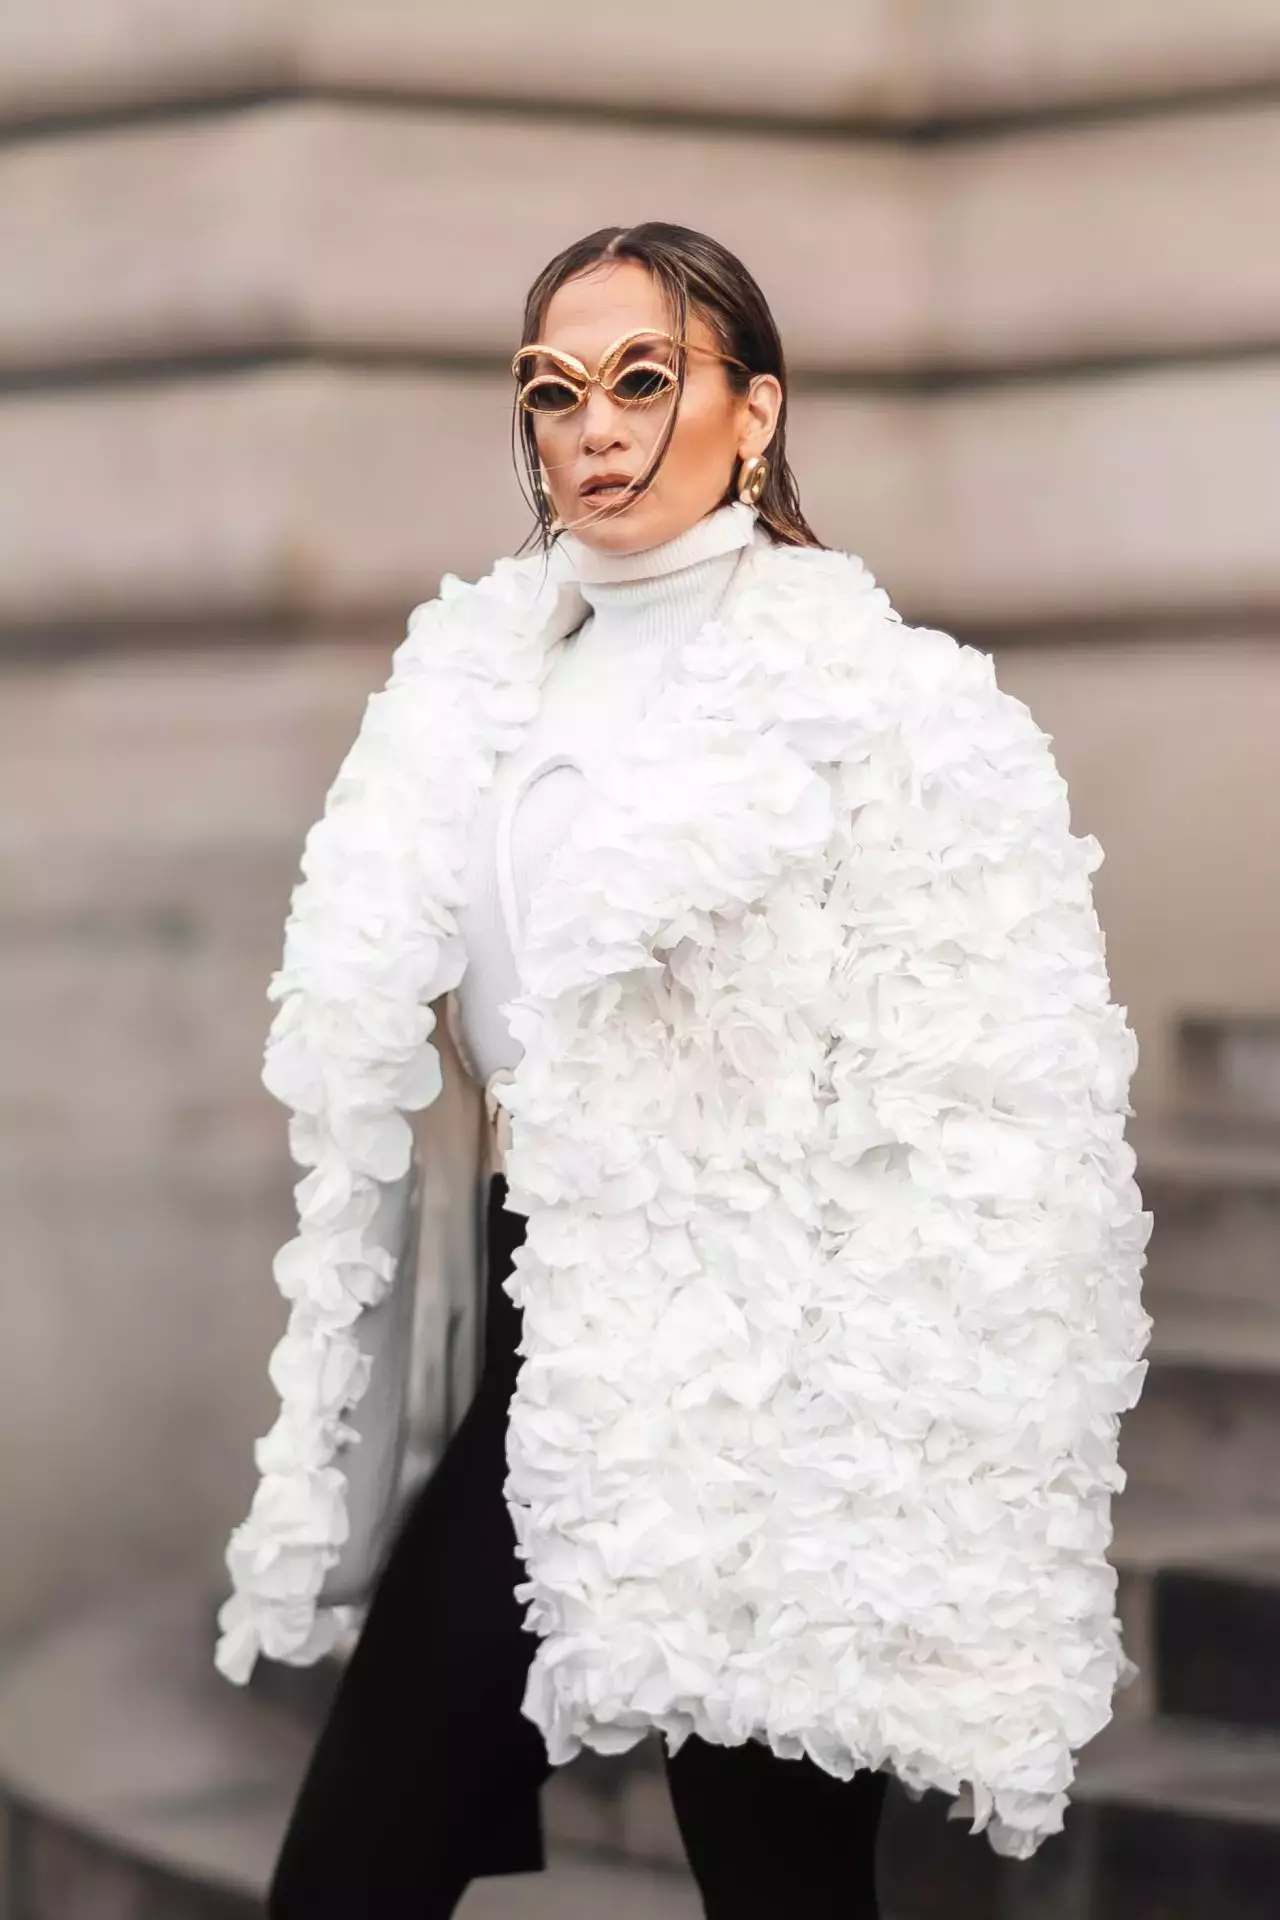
(608, 487)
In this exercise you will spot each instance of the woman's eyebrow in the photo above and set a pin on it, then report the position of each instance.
(649, 346)
(542, 360)
(646, 346)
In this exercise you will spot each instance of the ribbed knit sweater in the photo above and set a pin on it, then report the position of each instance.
(643, 606)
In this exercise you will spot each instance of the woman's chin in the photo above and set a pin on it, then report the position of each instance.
(629, 529)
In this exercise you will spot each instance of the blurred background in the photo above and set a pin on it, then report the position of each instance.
(261, 270)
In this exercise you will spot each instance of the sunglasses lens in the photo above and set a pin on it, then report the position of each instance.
(549, 395)
(635, 385)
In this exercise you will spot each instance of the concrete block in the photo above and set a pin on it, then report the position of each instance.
(1117, 496)
(845, 59)
(256, 493)
(387, 229)
(854, 59)
(1134, 237)
(148, 242)
(178, 750)
(393, 229)
(1208, 1433)
(1214, 1240)
(1004, 56)
(88, 55)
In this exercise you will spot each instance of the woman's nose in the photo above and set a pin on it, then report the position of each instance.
(602, 423)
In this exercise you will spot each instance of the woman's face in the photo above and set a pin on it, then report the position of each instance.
(715, 427)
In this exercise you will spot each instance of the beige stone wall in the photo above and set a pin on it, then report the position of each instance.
(388, 228)
(1170, 752)
(890, 62)
(151, 810)
(262, 264)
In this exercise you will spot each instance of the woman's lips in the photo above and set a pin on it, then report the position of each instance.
(603, 489)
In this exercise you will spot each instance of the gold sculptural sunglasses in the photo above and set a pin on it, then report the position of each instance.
(631, 373)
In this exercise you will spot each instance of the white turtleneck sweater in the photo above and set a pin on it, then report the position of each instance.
(643, 606)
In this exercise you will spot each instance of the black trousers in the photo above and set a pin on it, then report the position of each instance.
(426, 1774)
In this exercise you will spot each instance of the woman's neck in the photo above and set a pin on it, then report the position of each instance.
(723, 531)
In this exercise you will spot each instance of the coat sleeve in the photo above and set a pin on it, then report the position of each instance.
(388, 1378)
(331, 1466)
(423, 1341)
(979, 1193)
(372, 1456)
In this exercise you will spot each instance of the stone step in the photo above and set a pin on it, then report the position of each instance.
(1219, 1335)
(60, 1873)
(1207, 1427)
(131, 1764)
(57, 1870)
(1229, 1071)
(1216, 1208)
(1171, 1819)
(1216, 1633)
(139, 1784)
(1180, 1567)
(1168, 1821)
(1182, 1821)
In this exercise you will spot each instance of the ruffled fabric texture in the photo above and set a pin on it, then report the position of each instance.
(831, 1284)
(370, 942)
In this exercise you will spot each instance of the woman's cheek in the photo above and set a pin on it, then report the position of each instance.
(557, 459)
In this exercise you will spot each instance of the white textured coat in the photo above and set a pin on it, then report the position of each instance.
(831, 1281)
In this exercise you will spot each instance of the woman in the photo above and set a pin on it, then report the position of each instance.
(812, 1253)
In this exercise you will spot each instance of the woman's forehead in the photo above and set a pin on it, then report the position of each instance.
(587, 315)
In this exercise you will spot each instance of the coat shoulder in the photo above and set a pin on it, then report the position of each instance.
(833, 580)
(820, 569)
(923, 670)
(829, 581)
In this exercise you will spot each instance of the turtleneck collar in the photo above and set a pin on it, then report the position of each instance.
(720, 532)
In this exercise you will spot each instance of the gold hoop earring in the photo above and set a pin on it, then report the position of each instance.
(751, 479)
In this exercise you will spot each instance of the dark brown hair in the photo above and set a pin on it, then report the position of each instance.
(693, 271)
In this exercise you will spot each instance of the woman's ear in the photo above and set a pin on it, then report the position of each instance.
(762, 406)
